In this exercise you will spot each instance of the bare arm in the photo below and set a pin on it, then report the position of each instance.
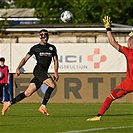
(107, 24)
(22, 63)
(56, 66)
(112, 40)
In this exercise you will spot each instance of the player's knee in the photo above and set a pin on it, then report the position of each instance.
(117, 93)
(113, 95)
(53, 85)
(27, 94)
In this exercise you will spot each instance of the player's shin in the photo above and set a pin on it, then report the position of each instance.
(47, 95)
(18, 98)
(43, 108)
(105, 106)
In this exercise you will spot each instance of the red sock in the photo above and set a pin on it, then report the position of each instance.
(105, 106)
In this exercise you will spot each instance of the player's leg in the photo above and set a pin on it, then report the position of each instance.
(119, 91)
(7, 92)
(51, 85)
(115, 94)
(1, 93)
(29, 91)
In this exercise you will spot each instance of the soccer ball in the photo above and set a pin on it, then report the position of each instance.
(66, 16)
(1, 75)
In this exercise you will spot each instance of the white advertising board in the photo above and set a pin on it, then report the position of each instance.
(5, 52)
(74, 57)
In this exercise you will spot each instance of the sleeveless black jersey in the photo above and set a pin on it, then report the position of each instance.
(44, 54)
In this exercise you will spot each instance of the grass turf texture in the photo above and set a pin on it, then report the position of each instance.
(66, 118)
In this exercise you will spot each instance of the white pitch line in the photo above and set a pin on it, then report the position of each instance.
(97, 129)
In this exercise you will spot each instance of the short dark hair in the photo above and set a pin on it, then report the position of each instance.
(43, 30)
(2, 59)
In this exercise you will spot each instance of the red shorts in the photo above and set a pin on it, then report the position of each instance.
(122, 89)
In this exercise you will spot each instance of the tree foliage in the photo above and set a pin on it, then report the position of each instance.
(84, 11)
(4, 4)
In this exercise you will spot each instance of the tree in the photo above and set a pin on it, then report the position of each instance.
(49, 11)
(84, 11)
(4, 4)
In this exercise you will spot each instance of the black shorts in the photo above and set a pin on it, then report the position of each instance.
(37, 83)
(39, 76)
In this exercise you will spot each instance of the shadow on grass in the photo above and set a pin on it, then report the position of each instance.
(131, 114)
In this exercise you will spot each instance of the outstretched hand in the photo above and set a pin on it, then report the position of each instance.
(131, 34)
(17, 72)
(107, 22)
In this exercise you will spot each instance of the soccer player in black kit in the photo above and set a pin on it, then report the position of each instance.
(44, 52)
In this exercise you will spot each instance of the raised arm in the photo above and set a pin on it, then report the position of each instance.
(107, 25)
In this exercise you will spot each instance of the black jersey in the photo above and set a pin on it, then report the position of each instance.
(44, 54)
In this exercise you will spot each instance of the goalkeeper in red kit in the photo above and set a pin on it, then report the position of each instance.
(125, 86)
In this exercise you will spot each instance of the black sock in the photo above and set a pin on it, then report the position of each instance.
(99, 115)
(47, 95)
(18, 98)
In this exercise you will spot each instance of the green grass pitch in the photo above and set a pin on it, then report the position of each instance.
(67, 118)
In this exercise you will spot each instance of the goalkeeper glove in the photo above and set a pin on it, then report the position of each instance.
(107, 23)
(130, 34)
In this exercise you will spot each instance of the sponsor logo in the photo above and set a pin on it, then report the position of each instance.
(45, 54)
(50, 48)
(102, 58)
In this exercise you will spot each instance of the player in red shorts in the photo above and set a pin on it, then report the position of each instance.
(126, 86)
